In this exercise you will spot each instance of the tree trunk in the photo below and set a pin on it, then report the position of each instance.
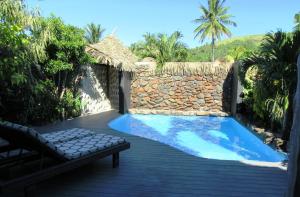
(32, 80)
(213, 49)
(293, 189)
(63, 86)
(63, 90)
(58, 82)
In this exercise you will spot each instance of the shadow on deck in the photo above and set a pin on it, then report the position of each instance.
(150, 168)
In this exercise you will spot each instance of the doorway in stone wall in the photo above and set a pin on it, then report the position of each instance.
(124, 91)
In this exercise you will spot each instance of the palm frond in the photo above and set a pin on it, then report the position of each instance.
(93, 33)
(213, 21)
(297, 22)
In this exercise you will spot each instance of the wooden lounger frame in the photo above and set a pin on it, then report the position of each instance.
(42, 173)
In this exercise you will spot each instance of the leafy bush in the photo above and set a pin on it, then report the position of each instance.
(44, 105)
(269, 79)
(161, 47)
(70, 105)
(40, 65)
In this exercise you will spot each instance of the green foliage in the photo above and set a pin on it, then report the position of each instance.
(45, 102)
(66, 54)
(12, 39)
(270, 89)
(70, 104)
(213, 22)
(56, 66)
(40, 62)
(93, 33)
(297, 22)
(161, 47)
(237, 48)
(237, 53)
(18, 79)
(277, 107)
(19, 51)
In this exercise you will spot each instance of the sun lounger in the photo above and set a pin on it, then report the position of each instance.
(53, 153)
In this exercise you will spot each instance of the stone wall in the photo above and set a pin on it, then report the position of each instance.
(94, 90)
(199, 93)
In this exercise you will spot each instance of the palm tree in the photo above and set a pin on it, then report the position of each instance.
(161, 47)
(297, 22)
(276, 78)
(93, 33)
(213, 22)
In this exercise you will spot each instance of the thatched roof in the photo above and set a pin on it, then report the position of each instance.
(148, 59)
(186, 68)
(112, 52)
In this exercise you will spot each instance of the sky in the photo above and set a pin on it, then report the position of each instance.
(130, 19)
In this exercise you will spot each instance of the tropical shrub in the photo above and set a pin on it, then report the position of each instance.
(161, 47)
(40, 65)
(44, 103)
(270, 90)
(19, 54)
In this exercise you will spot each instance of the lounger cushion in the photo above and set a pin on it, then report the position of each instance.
(67, 135)
(30, 133)
(89, 144)
(71, 143)
(26, 130)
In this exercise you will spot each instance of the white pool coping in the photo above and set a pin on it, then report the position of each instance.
(280, 165)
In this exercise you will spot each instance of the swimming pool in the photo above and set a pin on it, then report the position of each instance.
(220, 138)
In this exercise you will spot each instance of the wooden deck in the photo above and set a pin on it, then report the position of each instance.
(150, 168)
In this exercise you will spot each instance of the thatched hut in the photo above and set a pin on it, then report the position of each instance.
(110, 51)
(108, 80)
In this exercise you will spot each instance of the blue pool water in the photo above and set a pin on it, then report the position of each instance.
(204, 136)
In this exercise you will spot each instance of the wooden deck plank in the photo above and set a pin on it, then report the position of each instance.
(150, 168)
